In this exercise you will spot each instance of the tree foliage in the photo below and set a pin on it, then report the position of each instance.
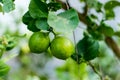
(43, 15)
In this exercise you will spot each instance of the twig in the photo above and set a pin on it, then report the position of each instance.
(79, 14)
(63, 4)
(95, 70)
(113, 45)
(68, 7)
(67, 4)
(85, 10)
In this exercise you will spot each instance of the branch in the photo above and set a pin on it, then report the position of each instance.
(113, 45)
(95, 70)
(76, 51)
(81, 16)
(109, 41)
(85, 10)
(63, 4)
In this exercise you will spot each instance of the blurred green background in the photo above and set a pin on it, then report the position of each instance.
(28, 66)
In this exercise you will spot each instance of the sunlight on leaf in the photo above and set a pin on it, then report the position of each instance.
(8, 5)
(42, 24)
(0, 8)
(64, 22)
(109, 6)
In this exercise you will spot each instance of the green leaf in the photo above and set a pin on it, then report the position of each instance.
(41, 5)
(2, 47)
(93, 16)
(63, 22)
(82, 0)
(54, 6)
(31, 26)
(38, 9)
(11, 42)
(1, 1)
(90, 21)
(88, 48)
(4, 68)
(8, 5)
(43, 0)
(11, 45)
(109, 14)
(91, 3)
(1, 8)
(109, 6)
(26, 18)
(77, 57)
(42, 24)
(99, 7)
(97, 35)
(94, 4)
(106, 30)
(117, 33)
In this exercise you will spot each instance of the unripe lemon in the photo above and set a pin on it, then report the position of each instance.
(62, 47)
(39, 42)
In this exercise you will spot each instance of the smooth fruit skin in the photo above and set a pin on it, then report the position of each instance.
(39, 42)
(62, 47)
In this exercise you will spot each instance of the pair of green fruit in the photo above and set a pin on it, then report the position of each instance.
(60, 47)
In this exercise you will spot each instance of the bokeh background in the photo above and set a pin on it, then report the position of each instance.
(28, 66)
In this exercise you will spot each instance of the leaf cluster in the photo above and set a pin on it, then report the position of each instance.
(41, 16)
(7, 43)
(6, 5)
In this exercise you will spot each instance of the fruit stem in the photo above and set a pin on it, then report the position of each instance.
(54, 33)
(51, 30)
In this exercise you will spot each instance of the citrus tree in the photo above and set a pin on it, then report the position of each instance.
(56, 18)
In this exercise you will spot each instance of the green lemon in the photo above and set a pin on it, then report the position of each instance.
(39, 42)
(62, 47)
